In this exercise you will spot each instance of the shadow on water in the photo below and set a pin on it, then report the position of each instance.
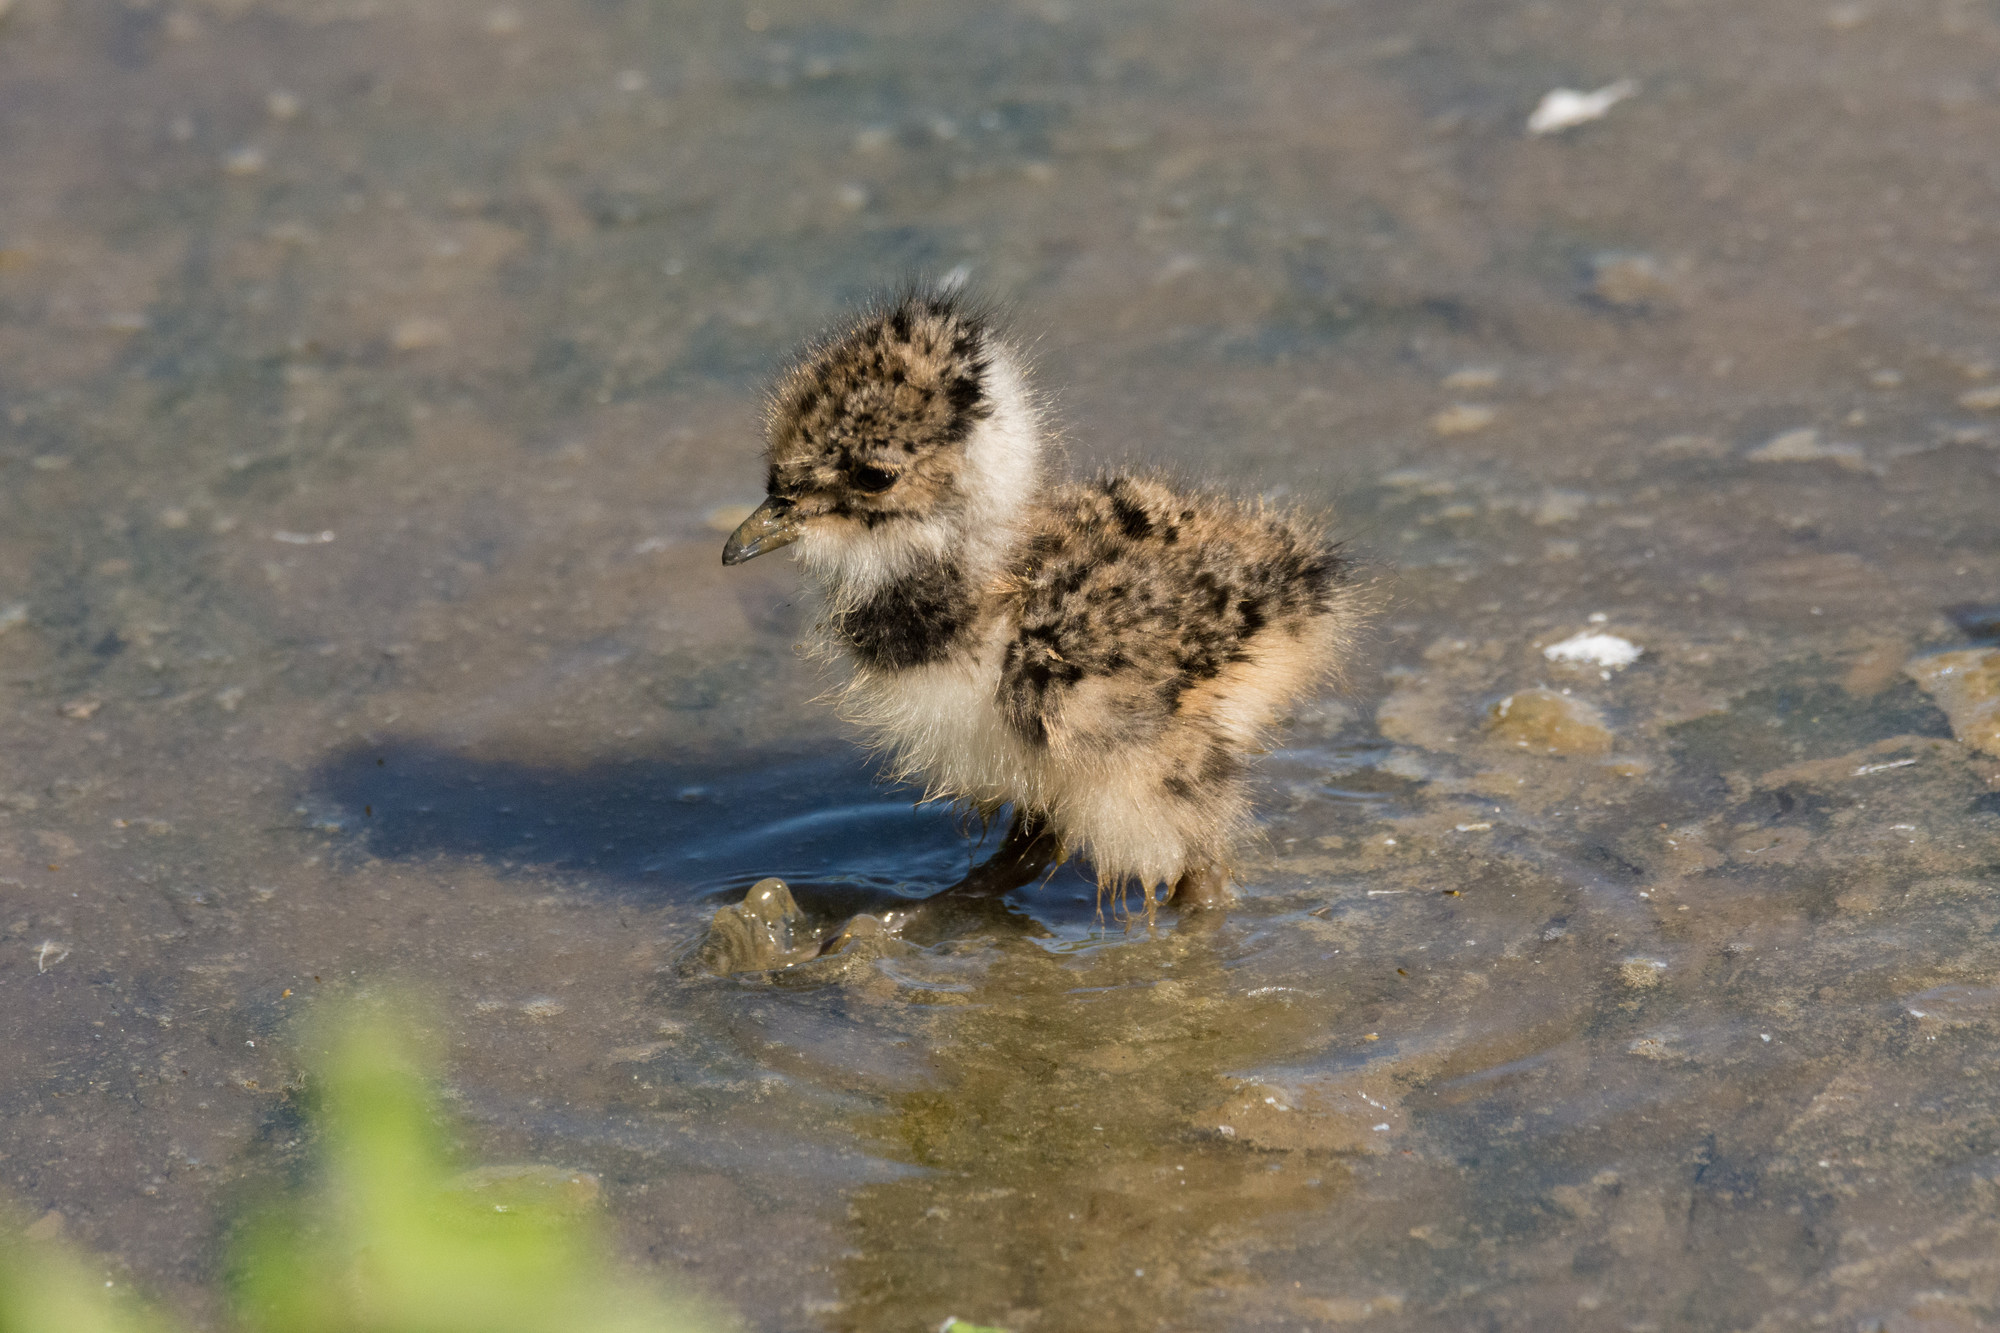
(660, 826)
(672, 829)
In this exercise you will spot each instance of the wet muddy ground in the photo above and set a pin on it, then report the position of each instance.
(375, 380)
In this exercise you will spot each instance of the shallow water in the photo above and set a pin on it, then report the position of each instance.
(370, 380)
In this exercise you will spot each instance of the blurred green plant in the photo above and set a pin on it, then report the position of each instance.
(389, 1240)
(44, 1289)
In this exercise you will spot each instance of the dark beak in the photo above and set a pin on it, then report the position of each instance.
(770, 526)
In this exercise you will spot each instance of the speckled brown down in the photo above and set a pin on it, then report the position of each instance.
(1101, 656)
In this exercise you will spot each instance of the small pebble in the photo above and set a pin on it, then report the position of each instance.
(1629, 281)
(1463, 419)
(1981, 400)
(1545, 722)
(1966, 685)
(1560, 507)
(418, 333)
(1805, 446)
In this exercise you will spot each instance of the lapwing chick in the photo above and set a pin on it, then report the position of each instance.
(1101, 656)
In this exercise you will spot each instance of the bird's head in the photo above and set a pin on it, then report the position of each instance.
(908, 437)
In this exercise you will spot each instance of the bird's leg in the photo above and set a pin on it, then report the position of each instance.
(1203, 887)
(1026, 851)
(976, 902)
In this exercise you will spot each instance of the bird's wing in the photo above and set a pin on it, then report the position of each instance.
(1090, 662)
(1131, 598)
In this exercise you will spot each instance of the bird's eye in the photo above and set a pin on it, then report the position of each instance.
(873, 480)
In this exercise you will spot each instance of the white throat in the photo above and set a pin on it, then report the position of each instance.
(1002, 472)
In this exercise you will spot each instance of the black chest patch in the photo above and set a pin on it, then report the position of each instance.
(911, 622)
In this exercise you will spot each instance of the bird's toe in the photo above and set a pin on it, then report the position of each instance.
(1203, 888)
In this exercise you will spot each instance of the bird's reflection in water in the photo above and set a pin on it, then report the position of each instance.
(1073, 1173)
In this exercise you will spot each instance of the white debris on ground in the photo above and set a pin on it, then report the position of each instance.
(1867, 769)
(1604, 650)
(1566, 108)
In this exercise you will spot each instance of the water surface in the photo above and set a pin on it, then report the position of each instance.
(372, 378)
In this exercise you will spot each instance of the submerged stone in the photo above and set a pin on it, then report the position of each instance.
(1966, 685)
(1549, 723)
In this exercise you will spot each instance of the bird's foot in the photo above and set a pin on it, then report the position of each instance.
(768, 932)
(1203, 888)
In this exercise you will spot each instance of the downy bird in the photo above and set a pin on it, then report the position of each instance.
(1101, 656)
